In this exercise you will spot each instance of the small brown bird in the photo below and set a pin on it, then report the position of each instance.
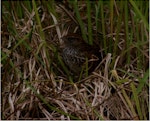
(77, 54)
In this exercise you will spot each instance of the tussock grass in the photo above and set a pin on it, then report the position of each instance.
(36, 84)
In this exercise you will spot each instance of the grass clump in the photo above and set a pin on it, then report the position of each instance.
(36, 84)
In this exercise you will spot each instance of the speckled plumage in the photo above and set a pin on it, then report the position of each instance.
(75, 51)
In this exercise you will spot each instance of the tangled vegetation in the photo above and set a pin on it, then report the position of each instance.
(34, 82)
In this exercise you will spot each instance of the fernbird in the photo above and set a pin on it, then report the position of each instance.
(77, 54)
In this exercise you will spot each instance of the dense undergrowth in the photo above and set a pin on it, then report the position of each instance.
(34, 82)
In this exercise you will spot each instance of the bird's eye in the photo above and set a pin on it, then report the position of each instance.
(71, 39)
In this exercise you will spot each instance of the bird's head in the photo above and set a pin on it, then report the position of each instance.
(71, 40)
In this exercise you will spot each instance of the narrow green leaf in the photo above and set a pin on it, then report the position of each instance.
(89, 22)
(80, 20)
(139, 13)
(135, 95)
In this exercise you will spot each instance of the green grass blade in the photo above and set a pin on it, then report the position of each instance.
(80, 20)
(90, 41)
(38, 21)
(133, 3)
(135, 96)
(143, 81)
